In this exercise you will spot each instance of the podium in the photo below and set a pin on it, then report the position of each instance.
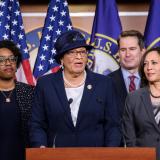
(102, 153)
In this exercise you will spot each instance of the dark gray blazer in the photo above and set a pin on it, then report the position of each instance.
(139, 125)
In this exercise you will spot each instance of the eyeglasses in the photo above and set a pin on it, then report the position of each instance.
(11, 59)
(75, 53)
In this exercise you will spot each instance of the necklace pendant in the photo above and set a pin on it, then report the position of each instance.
(8, 100)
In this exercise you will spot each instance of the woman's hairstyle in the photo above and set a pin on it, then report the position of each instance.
(144, 80)
(13, 48)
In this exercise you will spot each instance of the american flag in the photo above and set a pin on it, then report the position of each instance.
(57, 21)
(11, 28)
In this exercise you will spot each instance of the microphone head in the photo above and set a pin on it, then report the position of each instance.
(70, 100)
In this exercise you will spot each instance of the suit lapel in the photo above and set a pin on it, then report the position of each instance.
(148, 106)
(60, 89)
(86, 97)
(120, 86)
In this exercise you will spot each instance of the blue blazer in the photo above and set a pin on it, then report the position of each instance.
(97, 123)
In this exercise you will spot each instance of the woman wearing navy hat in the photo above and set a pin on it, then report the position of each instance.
(74, 107)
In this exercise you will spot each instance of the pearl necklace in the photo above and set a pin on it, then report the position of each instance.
(73, 85)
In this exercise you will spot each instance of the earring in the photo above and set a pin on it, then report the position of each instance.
(62, 67)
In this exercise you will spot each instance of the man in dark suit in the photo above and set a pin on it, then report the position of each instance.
(131, 49)
(74, 107)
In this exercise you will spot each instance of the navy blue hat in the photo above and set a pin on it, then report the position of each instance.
(68, 41)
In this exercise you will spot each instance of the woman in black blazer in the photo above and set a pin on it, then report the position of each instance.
(15, 105)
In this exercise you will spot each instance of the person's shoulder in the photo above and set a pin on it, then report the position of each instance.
(104, 80)
(96, 75)
(133, 99)
(23, 87)
(114, 73)
(138, 92)
(48, 77)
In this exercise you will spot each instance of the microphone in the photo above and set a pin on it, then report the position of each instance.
(70, 101)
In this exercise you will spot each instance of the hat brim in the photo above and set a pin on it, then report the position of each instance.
(60, 54)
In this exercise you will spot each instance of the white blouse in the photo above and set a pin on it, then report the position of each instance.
(76, 95)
